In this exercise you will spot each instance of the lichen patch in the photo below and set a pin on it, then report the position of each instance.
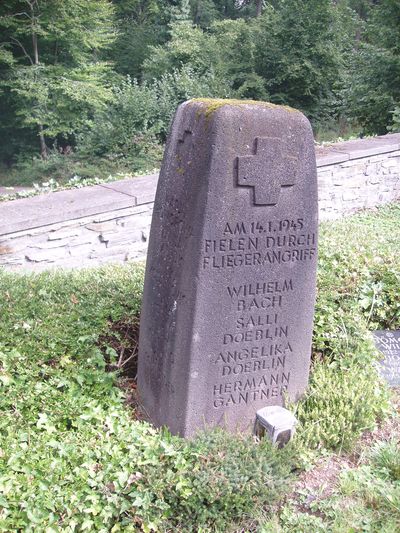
(211, 105)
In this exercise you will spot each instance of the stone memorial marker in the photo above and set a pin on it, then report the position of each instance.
(388, 342)
(230, 279)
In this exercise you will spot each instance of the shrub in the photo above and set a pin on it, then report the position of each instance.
(61, 168)
(385, 457)
(130, 133)
(357, 255)
(343, 400)
(126, 132)
(183, 84)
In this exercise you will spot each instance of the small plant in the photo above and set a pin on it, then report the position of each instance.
(343, 400)
(386, 457)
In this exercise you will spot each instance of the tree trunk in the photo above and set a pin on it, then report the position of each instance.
(259, 6)
(35, 48)
(42, 140)
(43, 146)
(196, 13)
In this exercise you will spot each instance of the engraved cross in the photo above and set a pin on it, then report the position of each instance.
(267, 170)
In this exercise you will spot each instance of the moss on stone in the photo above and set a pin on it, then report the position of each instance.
(213, 104)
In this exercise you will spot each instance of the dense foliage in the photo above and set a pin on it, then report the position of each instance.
(98, 81)
(72, 455)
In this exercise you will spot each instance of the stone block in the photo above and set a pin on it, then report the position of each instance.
(125, 239)
(102, 227)
(136, 222)
(389, 139)
(138, 255)
(49, 245)
(393, 182)
(388, 343)
(141, 188)
(390, 163)
(276, 422)
(349, 195)
(360, 148)
(84, 249)
(356, 182)
(60, 206)
(46, 256)
(374, 179)
(7, 260)
(62, 234)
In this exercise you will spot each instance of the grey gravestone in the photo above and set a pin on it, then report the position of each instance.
(388, 343)
(230, 279)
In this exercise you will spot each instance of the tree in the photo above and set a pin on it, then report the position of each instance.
(205, 12)
(237, 47)
(299, 53)
(140, 24)
(188, 45)
(373, 96)
(51, 68)
(226, 50)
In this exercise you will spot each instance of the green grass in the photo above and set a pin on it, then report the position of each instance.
(72, 455)
(367, 498)
(336, 131)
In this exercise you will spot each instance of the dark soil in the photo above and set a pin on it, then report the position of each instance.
(123, 338)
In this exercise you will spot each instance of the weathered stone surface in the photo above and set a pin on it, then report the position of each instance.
(230, 283)
(388, 342)
(366, 147)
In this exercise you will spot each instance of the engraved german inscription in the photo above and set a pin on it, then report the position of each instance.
(259, 243)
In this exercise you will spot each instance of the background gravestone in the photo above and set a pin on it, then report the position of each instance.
(230, 279)
(388, 343)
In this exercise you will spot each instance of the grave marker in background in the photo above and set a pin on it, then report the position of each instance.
(230, 279)
(388, 343)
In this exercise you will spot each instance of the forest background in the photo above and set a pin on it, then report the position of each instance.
(88, 87)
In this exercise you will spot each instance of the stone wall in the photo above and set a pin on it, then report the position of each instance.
(111, 222)
(357, 175)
